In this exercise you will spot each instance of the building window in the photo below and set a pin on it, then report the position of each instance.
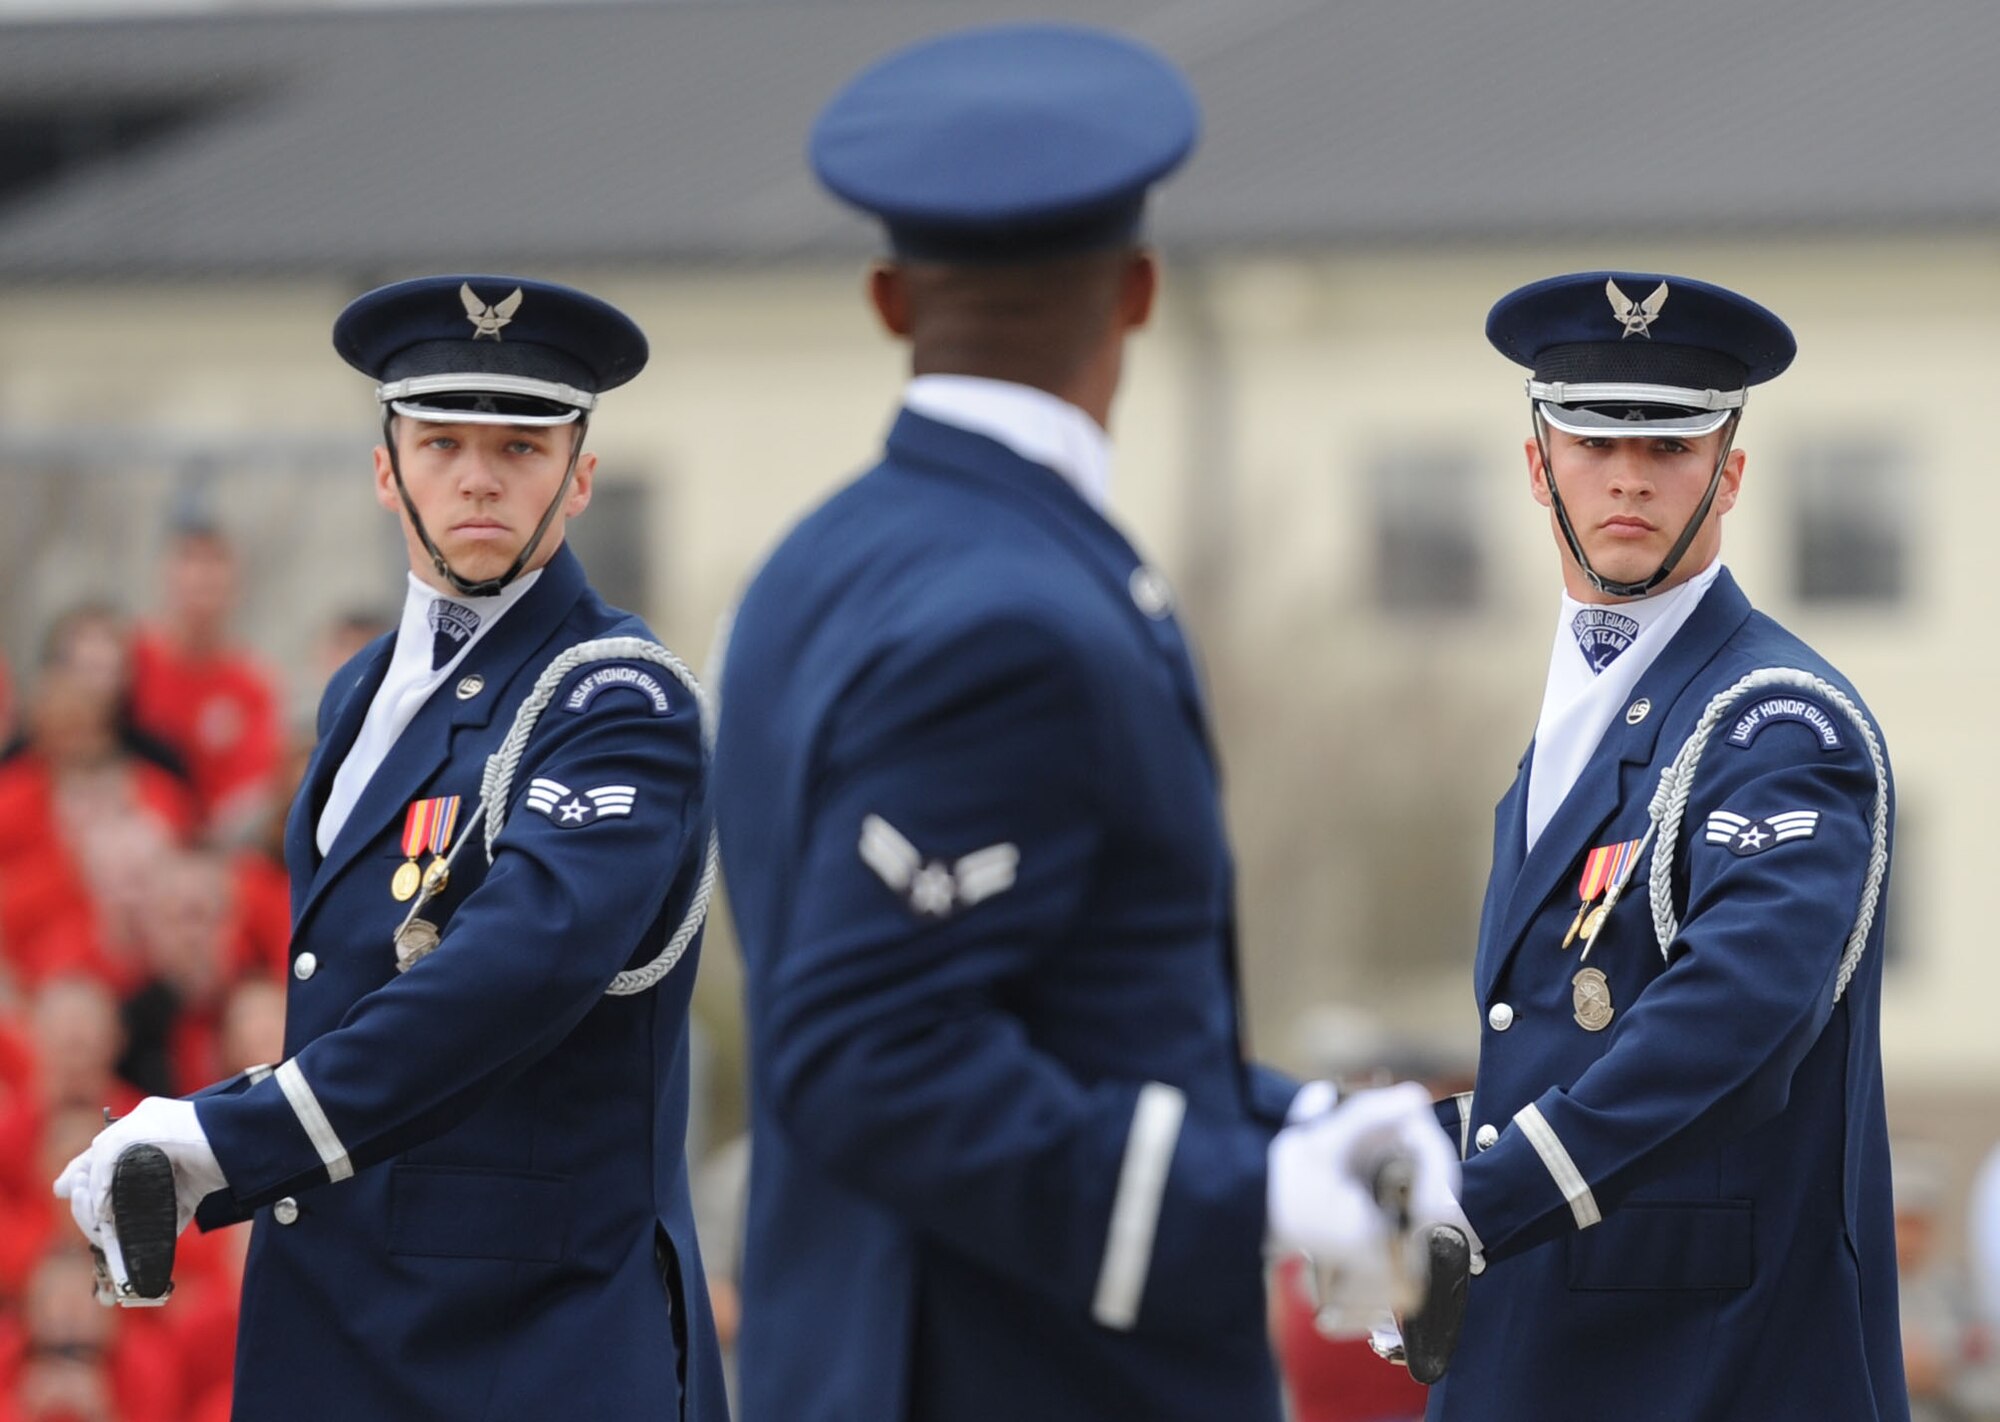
(1429, 552)
(614, 540)
(1850, 521)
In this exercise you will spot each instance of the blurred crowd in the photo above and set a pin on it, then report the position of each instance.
(145, 765)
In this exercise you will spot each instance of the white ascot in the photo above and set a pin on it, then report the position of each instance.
(406, 686)
(1042, 428)
(1580, 700)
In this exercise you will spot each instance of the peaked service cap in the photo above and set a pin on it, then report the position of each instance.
(1007, 143)
(1638, 353)
(488, 349)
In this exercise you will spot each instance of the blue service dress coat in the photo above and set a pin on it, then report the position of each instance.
(1007, 1158)
(1686, 1211)
(468, 1178)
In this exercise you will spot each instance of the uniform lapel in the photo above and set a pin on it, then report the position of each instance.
(425, 744)
(1510, 835)
(1612, 778)
(302, 824)
(1051, 502)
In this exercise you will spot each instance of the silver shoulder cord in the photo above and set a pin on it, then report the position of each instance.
(1669, 806)
(496, 786)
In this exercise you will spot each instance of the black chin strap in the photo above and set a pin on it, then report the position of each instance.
(489, 586)
(1674, 554)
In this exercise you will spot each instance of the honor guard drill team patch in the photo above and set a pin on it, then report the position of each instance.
(452, 625)
(1810, 714)
(1601, 634)
(1746, 837)
(573, 809)
(931, 887)
(619, 678)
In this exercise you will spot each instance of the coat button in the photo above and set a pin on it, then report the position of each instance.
(304, 966)
(1485, 1136)
(286, 1211)
(1500, 1016)
(1151, 593)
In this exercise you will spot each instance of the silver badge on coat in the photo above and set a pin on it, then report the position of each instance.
(1590, 999)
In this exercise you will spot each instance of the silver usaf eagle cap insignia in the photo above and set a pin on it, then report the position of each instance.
(487, 320)
(1637, 317)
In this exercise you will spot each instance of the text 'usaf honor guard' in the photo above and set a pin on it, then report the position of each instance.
(1008, 1161)
(1677, 1160)
(468, 1171)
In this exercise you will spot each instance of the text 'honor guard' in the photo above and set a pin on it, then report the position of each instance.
(1008, 1159)
(467, 1172)
(1675, 1152)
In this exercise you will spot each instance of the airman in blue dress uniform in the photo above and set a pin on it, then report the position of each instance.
(467, 1173)
(1676, 1158)
(1008, 1159)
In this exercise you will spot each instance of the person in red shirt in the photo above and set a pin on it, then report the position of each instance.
(193, 688)
(189, 940)
(79, 816)
(68, 1358)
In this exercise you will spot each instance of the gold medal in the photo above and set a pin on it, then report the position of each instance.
(428, 824)
(1590, 998)
(414, 941)
(1604, 868)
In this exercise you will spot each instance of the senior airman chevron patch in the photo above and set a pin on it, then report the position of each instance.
(573, 810)
(1746, 836)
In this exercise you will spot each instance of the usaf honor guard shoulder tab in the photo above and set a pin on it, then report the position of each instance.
(1768, 712)
(620, 676)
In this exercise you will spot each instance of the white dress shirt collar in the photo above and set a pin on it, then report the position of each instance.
(1042, 428)
(406, 686)
(1578, 703)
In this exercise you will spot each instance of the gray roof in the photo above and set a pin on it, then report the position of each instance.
(370, 143)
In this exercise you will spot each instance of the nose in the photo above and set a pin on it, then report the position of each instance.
(1630, 475)
(477, 478)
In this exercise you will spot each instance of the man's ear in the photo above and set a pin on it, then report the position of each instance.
(1538, 474)
(385, 481)
(580, 486)
(1731, 483)
(1139, 289)
(889, 294)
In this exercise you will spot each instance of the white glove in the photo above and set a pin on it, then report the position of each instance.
(1313, 1100)
(1321, 1201)
(158, 1120)
(1385, 1339)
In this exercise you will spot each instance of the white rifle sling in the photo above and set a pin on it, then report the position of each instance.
(497, 785)
(1669, 806)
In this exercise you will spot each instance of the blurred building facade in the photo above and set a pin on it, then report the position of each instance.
(1316, 443)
